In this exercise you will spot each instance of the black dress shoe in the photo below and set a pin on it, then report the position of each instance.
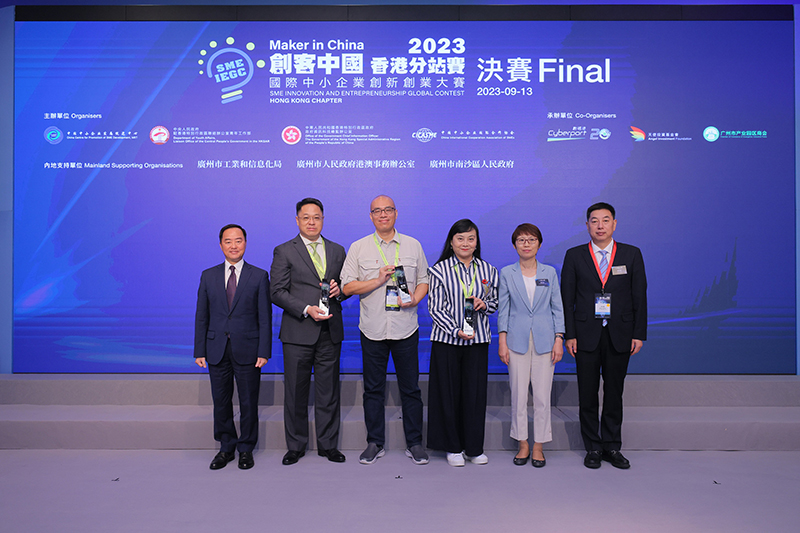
(221, 460)
(592, 459)
(292, 456)
(537, 463)
(520, 461)
(246, 460)
(333, 455)
(616, 459)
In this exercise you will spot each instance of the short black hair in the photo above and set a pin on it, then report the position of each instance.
(306, 201)
(229, 226)
(601, 205)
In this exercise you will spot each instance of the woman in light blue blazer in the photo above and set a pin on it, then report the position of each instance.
(530, 320)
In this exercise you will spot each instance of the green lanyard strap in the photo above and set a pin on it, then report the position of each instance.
(469, 293)
(396, 254)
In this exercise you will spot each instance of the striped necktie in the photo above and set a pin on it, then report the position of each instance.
(603, 270)
(603, 264)
(317, 260)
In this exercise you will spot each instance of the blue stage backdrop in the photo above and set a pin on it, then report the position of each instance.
(136, 141)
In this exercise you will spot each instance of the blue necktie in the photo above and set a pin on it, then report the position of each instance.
(603, 264)
(603, 270)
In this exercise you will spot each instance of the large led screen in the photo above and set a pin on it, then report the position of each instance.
(136, 141)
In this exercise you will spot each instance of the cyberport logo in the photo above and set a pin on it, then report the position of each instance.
(637, 134)
(424, 135)
(577, 133)
(53, 135)
(230, 68)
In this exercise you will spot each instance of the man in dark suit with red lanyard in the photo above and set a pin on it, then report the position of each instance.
(312, 335)
(233, 338)
(604, 289)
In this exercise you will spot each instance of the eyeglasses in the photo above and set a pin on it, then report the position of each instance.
(378, 210)
(315, 218)
(527, 240)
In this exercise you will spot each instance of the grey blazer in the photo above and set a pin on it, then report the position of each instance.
(295, 284)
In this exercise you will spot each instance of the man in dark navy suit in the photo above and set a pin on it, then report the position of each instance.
(604, 289)
(233, 338)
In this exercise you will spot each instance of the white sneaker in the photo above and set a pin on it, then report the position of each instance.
(478, 459)
(455, 459)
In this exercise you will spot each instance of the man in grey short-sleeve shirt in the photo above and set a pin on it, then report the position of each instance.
(388, 325)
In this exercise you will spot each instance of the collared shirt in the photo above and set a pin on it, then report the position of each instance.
(446, 299)
(238, 267)
(597, 253)
(608, 249)
(320, 249)
(363, 263)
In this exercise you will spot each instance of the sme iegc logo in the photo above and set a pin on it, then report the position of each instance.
(637, 134)
(230, 68)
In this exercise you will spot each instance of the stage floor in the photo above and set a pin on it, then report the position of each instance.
(174, 491)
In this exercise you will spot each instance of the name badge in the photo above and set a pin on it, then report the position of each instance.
(602, 305)
(619, 270)
(392, 293)
(542, 282)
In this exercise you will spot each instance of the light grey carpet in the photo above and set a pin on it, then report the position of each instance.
(151, 490)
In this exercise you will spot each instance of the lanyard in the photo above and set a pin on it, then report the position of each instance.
(396, 252)
(610, 262)
(469, 293)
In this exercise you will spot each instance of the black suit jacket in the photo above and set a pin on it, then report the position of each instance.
(295, 284)
(579, 284)
(248, 321)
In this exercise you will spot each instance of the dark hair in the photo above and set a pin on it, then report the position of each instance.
(526, 229)
(229, 226)
(601, 205)
(306, 201)
(462, 226)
